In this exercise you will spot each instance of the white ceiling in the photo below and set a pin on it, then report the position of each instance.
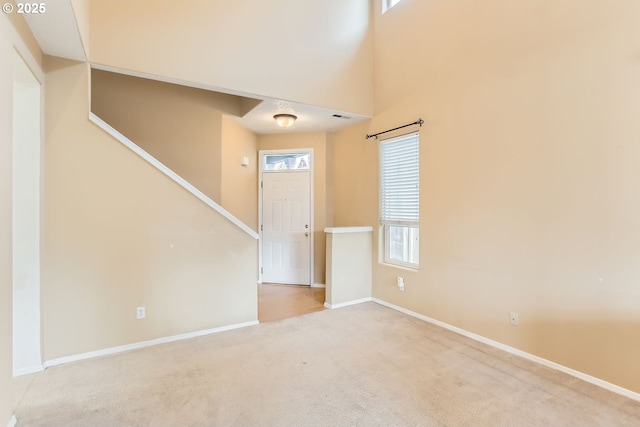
(310, 118)
(58, 35)
(57, 31)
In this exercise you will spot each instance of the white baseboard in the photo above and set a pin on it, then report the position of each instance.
(581, 375)
(348, 303)
(29, 370)
(143, 344)
(12, 422)
(318, 285)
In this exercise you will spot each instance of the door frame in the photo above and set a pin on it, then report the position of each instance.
(261, 154)
(23, 60)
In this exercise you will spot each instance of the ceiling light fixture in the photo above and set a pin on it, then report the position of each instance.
(284, 120)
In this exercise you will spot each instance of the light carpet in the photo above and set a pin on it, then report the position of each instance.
(364, 365)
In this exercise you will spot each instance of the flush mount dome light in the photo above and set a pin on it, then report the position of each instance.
(284, 120)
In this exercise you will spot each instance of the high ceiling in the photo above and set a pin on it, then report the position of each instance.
(58, 35)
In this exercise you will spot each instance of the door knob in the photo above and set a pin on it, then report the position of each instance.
(306, 234)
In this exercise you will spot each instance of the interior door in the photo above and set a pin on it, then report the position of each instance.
(286, 221)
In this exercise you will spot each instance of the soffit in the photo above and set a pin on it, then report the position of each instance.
(56, 30)
(57, 33)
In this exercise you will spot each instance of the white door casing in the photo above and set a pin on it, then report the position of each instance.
(26, 200)
(286, 227)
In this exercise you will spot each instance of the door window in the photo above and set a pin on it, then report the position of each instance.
(286, 161)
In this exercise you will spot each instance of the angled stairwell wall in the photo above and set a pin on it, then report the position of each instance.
(239, 182)
(180, 126)
(118, 234)
(236, 45)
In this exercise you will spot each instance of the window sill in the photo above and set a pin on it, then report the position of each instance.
(400, 266)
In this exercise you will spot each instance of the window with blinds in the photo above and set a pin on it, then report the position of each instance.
(400, 199)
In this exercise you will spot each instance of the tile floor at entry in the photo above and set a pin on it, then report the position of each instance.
(277, 302)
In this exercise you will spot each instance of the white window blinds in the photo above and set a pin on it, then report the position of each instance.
(399, 180)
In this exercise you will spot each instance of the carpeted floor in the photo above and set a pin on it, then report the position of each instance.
(364, 365)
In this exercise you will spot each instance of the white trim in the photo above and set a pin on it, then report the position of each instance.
(143, 344)
(388, 4)
(340, 230)
(18, 44)
(311, 171)
(29, 343)
(29, 370)
(348, 303)
(318, 285)
(402, 267)
(549, 364)
(171, 174)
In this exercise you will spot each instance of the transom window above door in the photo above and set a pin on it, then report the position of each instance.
(286, 161)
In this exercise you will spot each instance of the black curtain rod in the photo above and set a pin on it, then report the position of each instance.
(417, 122)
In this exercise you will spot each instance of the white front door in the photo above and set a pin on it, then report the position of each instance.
(286, 232)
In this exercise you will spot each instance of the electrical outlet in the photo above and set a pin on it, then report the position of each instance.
(513, 318)
(400, 282)
(140, 313)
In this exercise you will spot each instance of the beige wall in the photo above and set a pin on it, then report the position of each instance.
(348, 266)
(321, 143)
(529, 168)
(239, 183)
(178, 125)
(272, 48)
(118, 234)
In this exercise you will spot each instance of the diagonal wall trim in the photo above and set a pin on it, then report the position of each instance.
(13, 422)
(171, 174)
(143, 344)
(549, 364)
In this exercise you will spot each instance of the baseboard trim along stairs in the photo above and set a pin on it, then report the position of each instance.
(12, 422)
(549, 364)
(171, 174)
(143, 344)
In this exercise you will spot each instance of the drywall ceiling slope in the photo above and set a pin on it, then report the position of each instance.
(56, 30)
(256, 112)
(316, 52)
(310, 118)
